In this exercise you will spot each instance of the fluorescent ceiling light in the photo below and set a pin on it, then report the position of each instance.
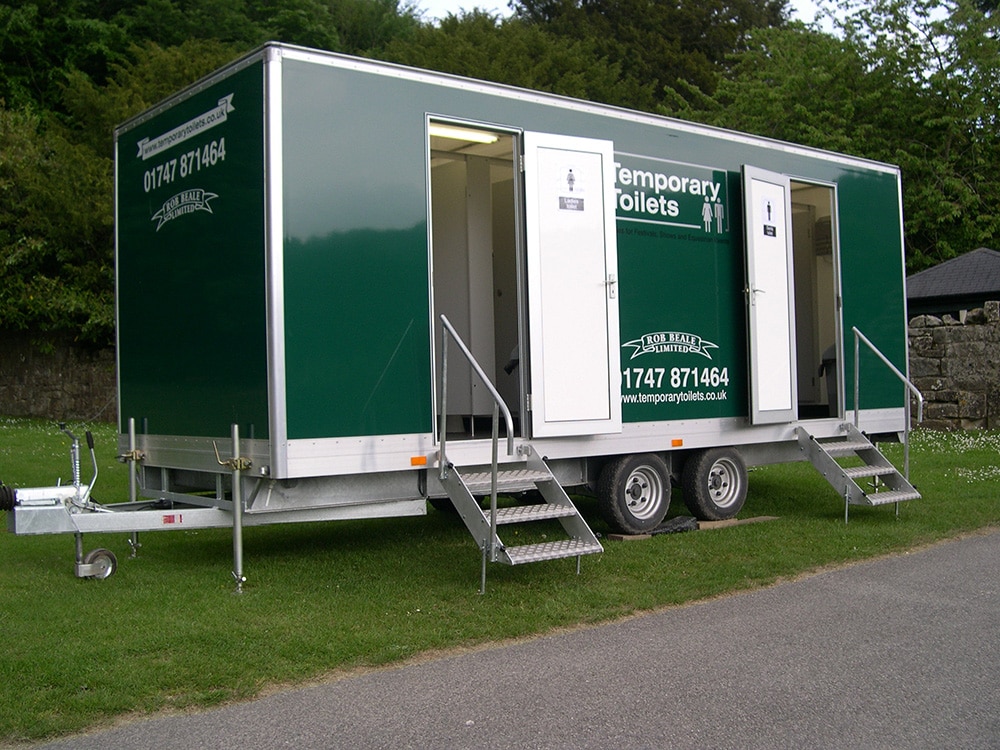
(462, 134)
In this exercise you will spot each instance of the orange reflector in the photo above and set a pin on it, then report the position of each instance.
(676, 442)
(418, 460)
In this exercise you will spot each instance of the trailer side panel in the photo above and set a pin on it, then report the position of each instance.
(192, 341)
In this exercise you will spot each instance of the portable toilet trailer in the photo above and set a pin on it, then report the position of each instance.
(634, 301)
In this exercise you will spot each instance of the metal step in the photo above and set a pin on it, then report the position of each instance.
(465, 487)
(823, 453)
(528, 553)
(508, 480)
(891, 496)
(859, 472)
(845, 447)
(539, 512)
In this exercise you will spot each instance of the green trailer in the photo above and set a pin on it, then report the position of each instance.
(347, 288)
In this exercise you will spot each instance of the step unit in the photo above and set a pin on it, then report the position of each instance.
(465, 484)
(856, 469)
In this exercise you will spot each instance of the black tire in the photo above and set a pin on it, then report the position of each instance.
(714, 483)
(633, 493)
(105, 559)
(6, 497)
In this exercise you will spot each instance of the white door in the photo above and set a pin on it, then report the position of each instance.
(572, 269)
(770, 296)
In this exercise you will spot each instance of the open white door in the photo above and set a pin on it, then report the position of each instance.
(770, 296)
(572, 269)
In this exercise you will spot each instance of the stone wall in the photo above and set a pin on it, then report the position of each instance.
(56, 380)
(954, 363)
(956, 366)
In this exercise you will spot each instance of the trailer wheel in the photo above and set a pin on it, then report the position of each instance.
(105, 560)
(6, 497)
(714, 483)
(633, 492)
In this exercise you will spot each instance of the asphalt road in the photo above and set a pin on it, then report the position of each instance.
(902, 652)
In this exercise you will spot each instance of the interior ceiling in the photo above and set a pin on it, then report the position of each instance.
(502, 149)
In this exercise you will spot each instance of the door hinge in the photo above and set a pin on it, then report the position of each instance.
(527, 402)
(520, 163)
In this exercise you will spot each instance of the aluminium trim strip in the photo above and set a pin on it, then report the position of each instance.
(274, 227)
(378, 453)
(393, 70)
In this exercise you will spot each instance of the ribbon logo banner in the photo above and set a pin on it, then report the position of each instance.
(670, 341)
(185, 202)
(150, 147)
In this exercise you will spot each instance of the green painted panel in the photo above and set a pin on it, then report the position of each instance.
(681, 269)
(191, 287)
(357, 317)
(356, 334)
(873, 284)
(356, 265)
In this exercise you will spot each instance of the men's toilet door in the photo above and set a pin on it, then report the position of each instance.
(572, 269)
(770, 295)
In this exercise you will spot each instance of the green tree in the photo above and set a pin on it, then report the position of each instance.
(910, 82)
(40, 40)
(658, 42)
(306, 22)
(355, 26)
(43, 41)
(367, 27)
(70, 71)
(171, 22)
(56, 191)
(514, 52)
(150, 75)
(55, 232)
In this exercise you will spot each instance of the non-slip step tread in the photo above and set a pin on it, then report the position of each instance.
(508, 480)
(526, 513)
(856, 472)
(844, 447)
(528, 553)
(889, 496)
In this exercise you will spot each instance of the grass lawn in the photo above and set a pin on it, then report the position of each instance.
(167, 633)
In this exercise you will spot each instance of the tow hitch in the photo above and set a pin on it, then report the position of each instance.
(57, 505)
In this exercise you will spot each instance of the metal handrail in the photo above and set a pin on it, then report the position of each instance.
(498, 406)
(858, 338)
(497, 399)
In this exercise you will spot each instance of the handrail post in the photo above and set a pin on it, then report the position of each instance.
(906, 435)
(908, 388)
(497, 398)
(493, 482)
(448, 331)
(857, 376)
(444, 403)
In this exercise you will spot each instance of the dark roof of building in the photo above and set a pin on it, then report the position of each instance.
(974, 273)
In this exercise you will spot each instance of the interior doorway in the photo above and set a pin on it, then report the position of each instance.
(819, 365)
(477, 268)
